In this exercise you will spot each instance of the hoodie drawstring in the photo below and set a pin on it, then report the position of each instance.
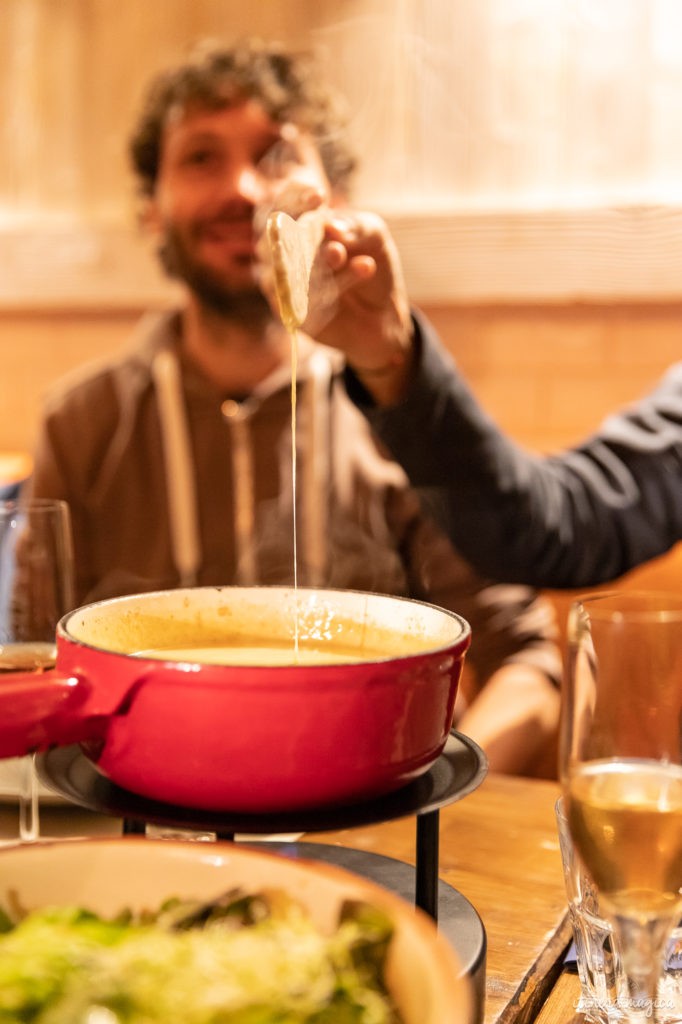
(180, 483)
(181, 486)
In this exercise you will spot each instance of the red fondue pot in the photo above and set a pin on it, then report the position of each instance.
(253, 738)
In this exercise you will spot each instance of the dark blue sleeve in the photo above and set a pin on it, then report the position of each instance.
(576, 519)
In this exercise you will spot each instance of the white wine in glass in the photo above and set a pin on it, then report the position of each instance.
(36, 589)
(621, 772)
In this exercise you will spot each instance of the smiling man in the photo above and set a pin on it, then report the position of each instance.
(176, 457)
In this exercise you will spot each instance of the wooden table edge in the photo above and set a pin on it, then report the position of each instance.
(537, 984)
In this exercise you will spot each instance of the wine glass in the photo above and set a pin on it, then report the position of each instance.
(36, 589)
(621, 772)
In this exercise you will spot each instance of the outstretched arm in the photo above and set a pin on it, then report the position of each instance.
(576, 519)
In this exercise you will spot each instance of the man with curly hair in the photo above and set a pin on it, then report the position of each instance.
(176, 458)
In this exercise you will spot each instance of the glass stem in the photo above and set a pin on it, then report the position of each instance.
(29, 819)
(643, 946)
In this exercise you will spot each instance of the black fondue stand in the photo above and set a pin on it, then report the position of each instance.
(458, 771)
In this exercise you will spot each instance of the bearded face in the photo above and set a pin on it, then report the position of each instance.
(221, 168)
(214, 288)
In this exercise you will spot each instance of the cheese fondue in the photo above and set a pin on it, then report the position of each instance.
(267, 654)
(293, 245)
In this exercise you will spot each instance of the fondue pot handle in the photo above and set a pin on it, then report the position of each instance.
(40, 710)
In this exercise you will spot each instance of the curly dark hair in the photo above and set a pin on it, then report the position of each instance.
(288, 85)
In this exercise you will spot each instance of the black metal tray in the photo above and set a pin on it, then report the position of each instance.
(458, 771)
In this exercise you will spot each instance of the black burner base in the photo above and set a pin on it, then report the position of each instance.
(458, 771)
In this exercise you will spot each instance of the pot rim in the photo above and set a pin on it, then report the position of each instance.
(458, 644)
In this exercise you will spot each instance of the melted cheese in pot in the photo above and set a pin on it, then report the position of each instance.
(331, 654)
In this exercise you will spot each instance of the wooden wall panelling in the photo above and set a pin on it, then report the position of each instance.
(521, 151)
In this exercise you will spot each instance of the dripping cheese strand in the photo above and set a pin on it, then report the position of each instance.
(293, 244)
(293, 335)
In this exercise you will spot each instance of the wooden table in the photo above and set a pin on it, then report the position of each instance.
(560, 1007)
(499, 849)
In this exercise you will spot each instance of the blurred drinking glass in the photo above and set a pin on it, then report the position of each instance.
(36, 589)
(621, 775)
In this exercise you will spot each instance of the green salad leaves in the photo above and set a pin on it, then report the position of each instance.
(240, 959)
